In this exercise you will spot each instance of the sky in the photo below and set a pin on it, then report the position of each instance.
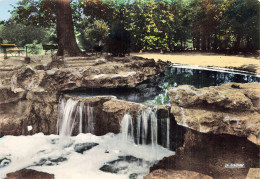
(5, 7)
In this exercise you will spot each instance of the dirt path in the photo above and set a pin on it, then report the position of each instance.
(248, 64)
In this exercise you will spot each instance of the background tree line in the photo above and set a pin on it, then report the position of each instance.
(157, 25)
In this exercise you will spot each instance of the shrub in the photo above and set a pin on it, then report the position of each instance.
(34, 48)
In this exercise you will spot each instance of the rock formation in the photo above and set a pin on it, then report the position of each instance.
(30, 97)
(227, 109)
(221, 123)
(222, 130)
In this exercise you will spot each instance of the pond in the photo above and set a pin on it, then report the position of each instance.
(199, 78)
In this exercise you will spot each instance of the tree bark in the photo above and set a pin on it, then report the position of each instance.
(238, 42)
(67, 45)
(203, 40)
(208, 42)
(215, 41)
(198, 41)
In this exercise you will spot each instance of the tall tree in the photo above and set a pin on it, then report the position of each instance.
(65, 30)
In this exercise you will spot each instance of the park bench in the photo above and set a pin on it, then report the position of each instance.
(49, 47)
(10, 48)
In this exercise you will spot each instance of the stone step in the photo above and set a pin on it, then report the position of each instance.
(6, 73)
(8, 69)
(78, 66)
(80, 61)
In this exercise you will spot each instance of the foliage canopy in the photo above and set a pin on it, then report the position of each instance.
(165, 25)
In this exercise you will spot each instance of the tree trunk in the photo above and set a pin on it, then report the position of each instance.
(67, 44)
(208, 43)
(219, 42)
(238, 42)
(203, 40)
(198, 41)
(193, 42)
(215, 41)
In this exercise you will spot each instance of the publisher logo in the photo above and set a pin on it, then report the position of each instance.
(234, 165)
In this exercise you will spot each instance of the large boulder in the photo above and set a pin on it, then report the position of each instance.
(227, 109)
(8, 96)
(20, 110)
(26, 79)
(29, 174)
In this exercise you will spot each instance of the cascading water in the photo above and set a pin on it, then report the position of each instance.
(144, 127)
(154, 129)
(168, 133)
(144, 130)
(67, 118)
(73, 114)
(91, 121)
(127, 129)
(80, 117)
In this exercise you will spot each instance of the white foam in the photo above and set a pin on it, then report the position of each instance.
(23, 151)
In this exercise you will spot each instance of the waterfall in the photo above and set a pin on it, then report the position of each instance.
(144, 130)
(91, 124)
(127, 129)
(138, 129)
(67, 118)
(168, 133)
(80, 109)
(144, 127)
(154, 129)
(74, 118)
(147, 127)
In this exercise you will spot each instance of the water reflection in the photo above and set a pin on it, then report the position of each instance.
(175, 76)
(203, 78)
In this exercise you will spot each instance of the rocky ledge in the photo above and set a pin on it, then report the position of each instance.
(29, 96)
(222, 132)
(227, 109)
(91, 73)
